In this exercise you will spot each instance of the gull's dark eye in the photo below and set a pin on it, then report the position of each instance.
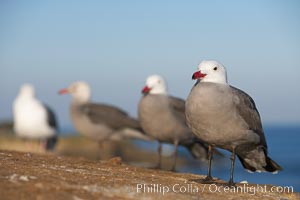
(215, 68)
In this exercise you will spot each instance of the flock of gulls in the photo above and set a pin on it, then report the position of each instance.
(214, 115)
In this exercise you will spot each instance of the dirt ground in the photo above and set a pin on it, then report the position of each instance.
(45, 176)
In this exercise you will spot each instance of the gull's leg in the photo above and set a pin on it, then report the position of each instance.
(210, 152)
(175, 155)
(232, 158)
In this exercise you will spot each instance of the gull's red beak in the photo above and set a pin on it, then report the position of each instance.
(146, 90)
(63, 91)
(198, 75)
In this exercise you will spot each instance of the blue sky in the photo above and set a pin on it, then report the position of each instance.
(115, 45)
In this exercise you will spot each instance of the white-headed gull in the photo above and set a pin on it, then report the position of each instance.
(99, 121)
(163, 118)
(226, 117)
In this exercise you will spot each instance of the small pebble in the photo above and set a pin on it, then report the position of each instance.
(23, 178)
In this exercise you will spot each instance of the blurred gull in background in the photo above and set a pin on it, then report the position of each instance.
(100, 122)
(34, 120)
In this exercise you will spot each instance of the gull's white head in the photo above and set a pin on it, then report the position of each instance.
(211, 71)
(27, 90)
(79, 90)
(155, 84)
